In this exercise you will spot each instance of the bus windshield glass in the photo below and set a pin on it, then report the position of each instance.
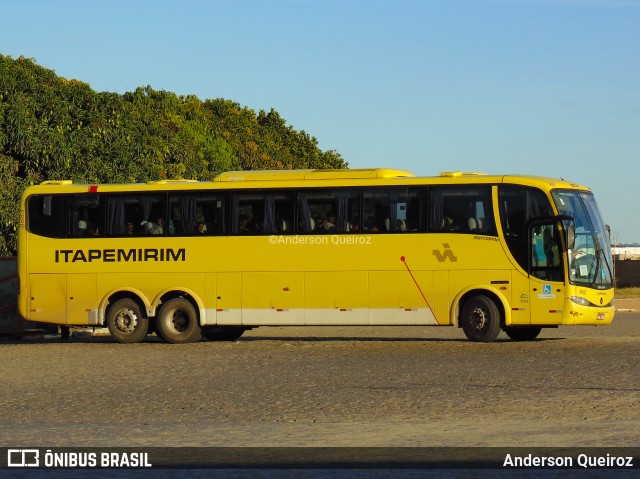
(590, 260)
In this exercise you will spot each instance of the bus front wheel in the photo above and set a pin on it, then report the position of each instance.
(522, 333)
(126, 322)
(480, 319)
(177, 322)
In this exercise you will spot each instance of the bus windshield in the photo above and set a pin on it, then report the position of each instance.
(590, 260)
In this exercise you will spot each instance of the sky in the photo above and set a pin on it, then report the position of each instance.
(540, 87)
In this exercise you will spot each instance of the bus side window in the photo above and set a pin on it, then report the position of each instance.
(196, 214)
(247, 213)
(462, 210)
(278, 212)
(47, 215)
(331, 210)
(86, 216)
(391, 210)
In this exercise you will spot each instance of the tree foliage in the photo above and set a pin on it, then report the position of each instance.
(54, 128)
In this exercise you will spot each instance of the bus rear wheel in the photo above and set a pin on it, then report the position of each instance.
(480, 319)
(223, 333)
(177, 322)
(528, 333)
(126, 322)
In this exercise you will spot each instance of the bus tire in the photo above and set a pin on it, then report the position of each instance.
(177, 322)
(528, 333)
(480, 319)
(126, 322)
(223, 333)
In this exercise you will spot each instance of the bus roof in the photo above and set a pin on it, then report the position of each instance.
(284, 175)
(310, 178)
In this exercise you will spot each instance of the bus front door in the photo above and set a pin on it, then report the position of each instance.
(546, 273)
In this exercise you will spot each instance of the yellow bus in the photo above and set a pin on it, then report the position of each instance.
(376, 247)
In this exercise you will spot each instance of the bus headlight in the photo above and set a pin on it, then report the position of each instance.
(586, 302)
(580, 301)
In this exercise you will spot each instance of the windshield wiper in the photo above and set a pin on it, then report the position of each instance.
(599, 253)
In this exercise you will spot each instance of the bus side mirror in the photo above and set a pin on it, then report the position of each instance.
(571, 237)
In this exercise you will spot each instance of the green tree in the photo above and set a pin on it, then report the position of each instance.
(54, 128)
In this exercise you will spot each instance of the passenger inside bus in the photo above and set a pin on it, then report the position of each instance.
(449, 223)
(371, 225)
(243, 225)
(156, 228)
(254, 227)
(395, 225)
(475, 225)
(283, 226)
(201, 228)
(330, 224)
(319, 224)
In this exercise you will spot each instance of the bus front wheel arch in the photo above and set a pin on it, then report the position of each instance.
(480, 318)
(177, 321)
(126, 321)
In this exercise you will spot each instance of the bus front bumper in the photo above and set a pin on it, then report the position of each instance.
(588, 315)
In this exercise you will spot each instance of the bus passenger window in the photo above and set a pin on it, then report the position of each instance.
(135, 214)
(47, 215)
(86, 216)
(196, 214)
(328, 211)
(282, 210)
(462, 210)
(392, 210)
(258, 213)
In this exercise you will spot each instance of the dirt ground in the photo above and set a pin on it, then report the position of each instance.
(331, 386)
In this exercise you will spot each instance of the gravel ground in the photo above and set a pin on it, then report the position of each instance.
(332, 386)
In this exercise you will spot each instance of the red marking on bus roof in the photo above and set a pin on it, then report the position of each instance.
(93, 189)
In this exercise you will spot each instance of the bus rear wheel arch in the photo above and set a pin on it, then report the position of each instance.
(481, 318)
(177, 321)
(126, 321)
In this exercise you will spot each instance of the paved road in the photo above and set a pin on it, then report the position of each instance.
(574, 386)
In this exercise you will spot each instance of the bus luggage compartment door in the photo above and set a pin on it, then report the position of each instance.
(82, 302)
(47, 301)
